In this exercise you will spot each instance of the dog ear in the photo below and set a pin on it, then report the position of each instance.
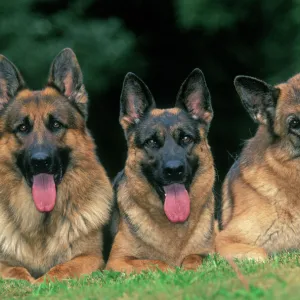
(194, 97)
(258, 97)
(136, 100)
(11, 81)
(66, 76)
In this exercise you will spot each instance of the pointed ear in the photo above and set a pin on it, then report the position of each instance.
(136, 100)
(258, 97)
(11, 81)
(194, 97)
(66, 76)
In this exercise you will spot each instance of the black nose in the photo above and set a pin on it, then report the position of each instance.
(174, 170)
(41, 162)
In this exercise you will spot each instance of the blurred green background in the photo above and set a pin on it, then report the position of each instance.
(162, 42)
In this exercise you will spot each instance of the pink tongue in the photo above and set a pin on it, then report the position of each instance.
(177, 203)
(44, 192)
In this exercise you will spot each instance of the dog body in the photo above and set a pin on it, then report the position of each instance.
(261, 208)
(54, 194)
(164, 195)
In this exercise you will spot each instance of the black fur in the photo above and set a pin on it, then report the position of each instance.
(110, 229)
(59, 160)
(169, 147)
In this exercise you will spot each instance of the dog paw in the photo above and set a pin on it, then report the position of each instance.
(56, 274)
(40, 280)
(17, 273)
(191, 262)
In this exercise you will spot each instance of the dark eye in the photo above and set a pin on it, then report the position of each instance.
(294, 123)
(152, 143)
(186, 140)
(55, 125)
(23, 128)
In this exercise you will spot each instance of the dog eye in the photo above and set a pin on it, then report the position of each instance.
(186, 140)
(152, 143)
(294, 124)
(55, 125)
(23, 128)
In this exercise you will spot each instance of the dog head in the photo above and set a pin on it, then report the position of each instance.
(167, 146)
(275, 107)
(37, 127)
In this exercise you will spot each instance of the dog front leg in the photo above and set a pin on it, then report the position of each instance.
(192, 262)
(78, 266)
(130, 264)
(227, 247)
(9, 272)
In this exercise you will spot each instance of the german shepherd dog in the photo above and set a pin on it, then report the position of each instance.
(261, 208)
(54, 194)
(165, 192)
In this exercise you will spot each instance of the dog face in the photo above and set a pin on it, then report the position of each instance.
(167, 139)
(167, 146)
(38, 126)
(276, 107)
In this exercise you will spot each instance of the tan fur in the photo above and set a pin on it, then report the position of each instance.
(158, 242)
(69, 243)
(261, 194)
(25, 94)
(158, 112)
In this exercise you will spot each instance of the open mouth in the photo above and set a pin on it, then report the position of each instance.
(44, 192)
(177, 203)
(43, 188)
(43, 172)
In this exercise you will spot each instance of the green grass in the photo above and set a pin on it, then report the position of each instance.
(276, 279)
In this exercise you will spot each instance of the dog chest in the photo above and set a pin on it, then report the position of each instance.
(38, 255)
